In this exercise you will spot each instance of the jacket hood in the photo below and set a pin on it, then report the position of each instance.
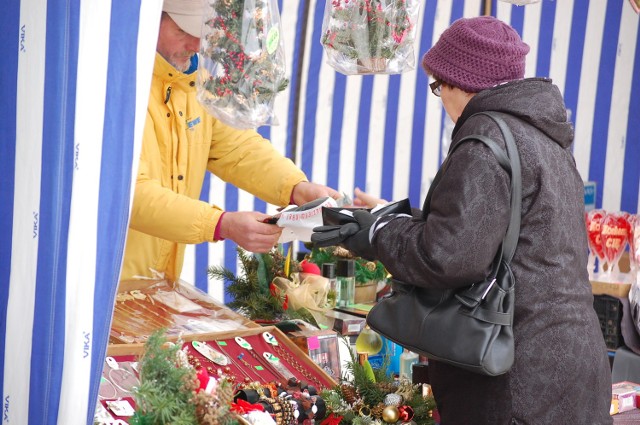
(536, 101)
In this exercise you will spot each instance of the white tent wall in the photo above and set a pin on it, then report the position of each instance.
(76, 77)
(75, 80)
(388, 134)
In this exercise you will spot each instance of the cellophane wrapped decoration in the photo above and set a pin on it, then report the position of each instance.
(242, 62)
(370, 36)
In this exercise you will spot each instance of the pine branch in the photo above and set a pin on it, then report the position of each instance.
(163, 396)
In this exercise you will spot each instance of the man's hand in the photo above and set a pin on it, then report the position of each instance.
(305, 192)
(248, 230)
(363, 199)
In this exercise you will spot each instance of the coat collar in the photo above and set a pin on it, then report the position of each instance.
(169, 74)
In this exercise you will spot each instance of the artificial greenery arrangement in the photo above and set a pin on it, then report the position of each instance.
(243, 62)
(170, 393)
(254, 294)
(374, 396)
(366, 271)
(363, 36)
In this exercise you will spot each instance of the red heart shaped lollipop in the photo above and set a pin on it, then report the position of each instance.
(594, 222)
(614, 235)
(634, 239)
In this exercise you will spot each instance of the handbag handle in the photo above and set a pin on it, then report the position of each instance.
(510, 241)
(510, 161)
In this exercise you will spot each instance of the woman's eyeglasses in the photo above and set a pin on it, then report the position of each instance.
(436, 88)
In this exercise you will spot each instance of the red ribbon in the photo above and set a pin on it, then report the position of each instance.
(243, 406)
(203, 379)
(332, 420)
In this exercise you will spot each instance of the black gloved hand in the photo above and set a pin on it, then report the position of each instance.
(333, 235)
(353, 236)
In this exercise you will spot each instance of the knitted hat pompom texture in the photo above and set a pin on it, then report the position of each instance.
(474, 54)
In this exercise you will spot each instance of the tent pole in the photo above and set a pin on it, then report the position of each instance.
(487, 7)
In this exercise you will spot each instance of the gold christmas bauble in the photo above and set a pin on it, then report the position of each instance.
(390, 414)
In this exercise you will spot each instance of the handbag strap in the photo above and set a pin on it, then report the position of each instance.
(510, 162)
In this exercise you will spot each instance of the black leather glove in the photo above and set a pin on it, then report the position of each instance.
(359, 243)
(333, 235)
(353, 236)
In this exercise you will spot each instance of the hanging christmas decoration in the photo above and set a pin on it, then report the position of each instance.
(243, 62)
(370, 36)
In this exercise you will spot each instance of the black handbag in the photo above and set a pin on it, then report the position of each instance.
(470, 328)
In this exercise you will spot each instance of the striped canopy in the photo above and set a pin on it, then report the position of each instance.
(76, 75)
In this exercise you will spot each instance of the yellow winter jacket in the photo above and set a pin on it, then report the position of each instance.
(181, 142)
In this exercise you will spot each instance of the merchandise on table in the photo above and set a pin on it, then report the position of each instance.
(262, 360)
(322, 347)
(144, 306)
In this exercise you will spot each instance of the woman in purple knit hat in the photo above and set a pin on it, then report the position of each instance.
(561, 372)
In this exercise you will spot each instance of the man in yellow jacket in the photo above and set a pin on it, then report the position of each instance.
(181, 142)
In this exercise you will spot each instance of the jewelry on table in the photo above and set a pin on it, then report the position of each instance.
(150, 317)
(167, 320)
(132, 327)
(127, 379)
(125, 382)
(151, 314)
(248, 378)
(278, 365)
(265, 364)
(270, 339)
(215, 370)
(210, 353)
(109, 395)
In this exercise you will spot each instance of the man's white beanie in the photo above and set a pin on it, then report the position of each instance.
(187, 14)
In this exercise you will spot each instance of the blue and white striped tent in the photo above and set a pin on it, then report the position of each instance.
(75, 78)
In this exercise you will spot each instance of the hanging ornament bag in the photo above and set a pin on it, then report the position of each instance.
(370, 36)
(242, 65)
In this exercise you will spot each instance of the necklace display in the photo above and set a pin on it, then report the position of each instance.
(210, 353)
(248, 367)
(212, 371)
(291, 360)
(106, 390)
(120, 379)
(265, 363)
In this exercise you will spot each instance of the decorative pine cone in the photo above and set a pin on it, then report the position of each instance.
(386, 387)
(349, 393)
(342, 252)
(376, 411)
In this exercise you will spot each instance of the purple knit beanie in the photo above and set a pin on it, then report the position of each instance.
(477, 53)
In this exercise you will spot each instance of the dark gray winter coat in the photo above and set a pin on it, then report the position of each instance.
(561, 373)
